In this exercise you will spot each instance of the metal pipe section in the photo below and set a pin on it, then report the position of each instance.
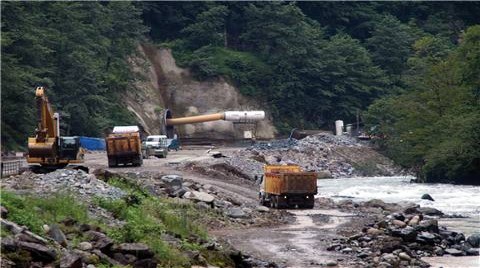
(194, 119)
(232, 116)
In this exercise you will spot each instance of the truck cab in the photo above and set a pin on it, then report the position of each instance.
(157, 145)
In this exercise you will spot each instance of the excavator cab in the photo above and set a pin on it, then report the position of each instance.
(69, 147)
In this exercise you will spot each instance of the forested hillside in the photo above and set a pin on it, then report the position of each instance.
(310, 63)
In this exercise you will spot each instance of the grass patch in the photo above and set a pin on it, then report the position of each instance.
(34, 212)
(148, 218)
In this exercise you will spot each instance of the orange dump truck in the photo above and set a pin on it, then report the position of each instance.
(124, 146)
(286, 186)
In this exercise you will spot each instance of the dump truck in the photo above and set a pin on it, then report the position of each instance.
(287, 186)
(48, 148)
(124, 146)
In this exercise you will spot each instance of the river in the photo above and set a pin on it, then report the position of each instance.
(451, 199)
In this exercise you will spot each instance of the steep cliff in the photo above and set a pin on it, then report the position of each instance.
(162, 84)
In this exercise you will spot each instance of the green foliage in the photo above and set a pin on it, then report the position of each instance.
(35, 212)
(208, 28)
(78, 50)
(433, 127)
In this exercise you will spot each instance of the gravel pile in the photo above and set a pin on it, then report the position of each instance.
(76, 182)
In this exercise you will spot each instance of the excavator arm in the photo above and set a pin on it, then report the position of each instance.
(48, 121)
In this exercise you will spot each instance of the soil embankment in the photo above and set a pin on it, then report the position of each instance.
(161, 84)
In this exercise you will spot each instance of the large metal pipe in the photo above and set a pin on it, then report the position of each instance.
(195, 119)
(232, 116)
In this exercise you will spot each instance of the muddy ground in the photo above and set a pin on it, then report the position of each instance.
(301, 242)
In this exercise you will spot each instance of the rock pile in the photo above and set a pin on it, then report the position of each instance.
(332, 156)
(77, 182)
(402, 238)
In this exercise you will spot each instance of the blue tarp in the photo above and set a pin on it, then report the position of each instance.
(93, 144)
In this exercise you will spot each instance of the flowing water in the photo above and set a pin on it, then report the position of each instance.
(459, 200)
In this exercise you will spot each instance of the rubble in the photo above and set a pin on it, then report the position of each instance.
(77, 182)
(400, 236)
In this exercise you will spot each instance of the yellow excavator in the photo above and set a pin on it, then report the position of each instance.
(48, 148)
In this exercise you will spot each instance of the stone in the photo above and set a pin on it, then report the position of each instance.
(236, 212)
(324, 174)
(346, 250)
(430, 211)
(202, 205)
(429, 225)
(390, 258)
(38, 252)
(376, 203)
(56, 234)
(8, 244)
(87, 257)
(262, 209)
(106, 258)
(472, 252)
(28, 238)
(331, 263)
(459, 238)
(414, 220)
(398, 216)
(94, 235)
(70, 260)
(474, 240)
(174, 181)
(389, 244)
(411, 209)
(404, 256)
(426, 238)
(453, 252)
(120, 258)
(145, 263)
(3, 212)
(374, 231)
(408, 234)
(199, 196)
(85, 246)
(139, 250)
(363, 255)
(427, 197)
(399, 223)
(103, 244)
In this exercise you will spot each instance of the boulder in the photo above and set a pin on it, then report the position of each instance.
(236, 212)
(8, 244)
(474, 240)
(453, 252)
(57, 234)
(172, 181)
(426, 238)
(429, 225)
(70, 260)
(324, 174)
(262, 209)
(85, 246)
(374, 231)
(397, 216)
(408, 233)
(414, 220)
(139, 250)
(430, 211)
(38, 252)
(399, 223)
(145, 263)
(472, 252)
(404, 256)
(331, 263)
(389, 244)
(427, 197)
(103, 243)
(199, 196)
(459, 238)
(106, 258)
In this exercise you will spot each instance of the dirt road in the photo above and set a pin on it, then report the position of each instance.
(302, 243)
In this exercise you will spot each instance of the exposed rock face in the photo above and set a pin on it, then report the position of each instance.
(165, 85)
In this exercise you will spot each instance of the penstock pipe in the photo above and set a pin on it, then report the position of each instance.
(232, 116)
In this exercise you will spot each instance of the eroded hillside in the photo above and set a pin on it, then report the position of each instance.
(162, 84)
